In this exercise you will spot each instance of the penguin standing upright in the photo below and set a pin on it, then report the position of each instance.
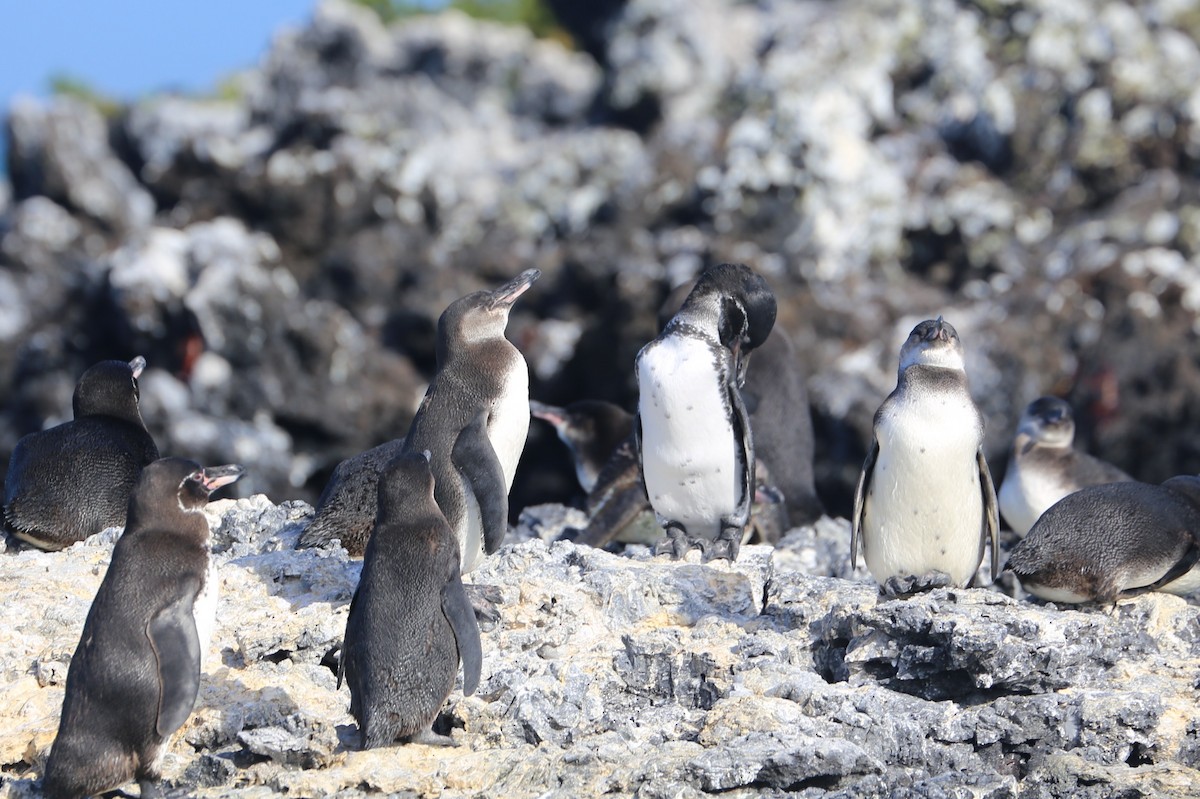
(696, 445)
(925, 506)
(1044, 467)
(482, 383)
(134, 676)
(410, 620)
(73, 480)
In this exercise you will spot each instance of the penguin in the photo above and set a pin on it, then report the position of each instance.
(347, 505)
(696, 444)
(134, 676)
(481, 383)
(776, 400)
(1106, 541)
(1044, 467)
(925, 505)
(410, 621)
(591, 429)
(73, 480)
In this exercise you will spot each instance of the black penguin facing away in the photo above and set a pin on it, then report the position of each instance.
(134, 676)
(73, 480)
(410, 620)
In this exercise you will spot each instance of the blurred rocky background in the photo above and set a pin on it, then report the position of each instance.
(280, 253)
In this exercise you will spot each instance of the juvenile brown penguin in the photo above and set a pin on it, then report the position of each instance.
(925, 507)
(591, 429)
(696, 444)
(410, 620)
(1044, 466)
(134, 676)
(1105, 541)
(482, 383)
(73, 480)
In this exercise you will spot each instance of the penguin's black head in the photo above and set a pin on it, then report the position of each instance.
(109, 388)
(404, 480)
(933, 342)
(747, 304)
(1047, 421)
(481, 315)
(177, 483)
(1186, 484)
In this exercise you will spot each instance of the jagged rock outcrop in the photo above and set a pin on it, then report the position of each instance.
(633, 675)
(1027, 172)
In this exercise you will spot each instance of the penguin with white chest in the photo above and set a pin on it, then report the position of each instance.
(925, 504)
(696, 445)
(482, 383)
(475, 417)
(1044, 466)
(134, 676)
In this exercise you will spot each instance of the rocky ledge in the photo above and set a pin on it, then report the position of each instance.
(781, 674)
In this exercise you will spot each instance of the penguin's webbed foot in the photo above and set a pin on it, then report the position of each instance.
(430, 738)
(726, 545)
(905, 585)
(150, 789)
(677, 542)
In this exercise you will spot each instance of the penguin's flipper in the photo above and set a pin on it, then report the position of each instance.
(741, 428)
(342, 655)
(991, 512)
(176, 646)
(860, 500)
(457, 609)
(475, 459)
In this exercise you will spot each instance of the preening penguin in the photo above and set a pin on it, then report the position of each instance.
(134, 676)
(73, 480)
(697, 448)
(410, 620)
(925, 506)
(1044, 466)
(1115, 539)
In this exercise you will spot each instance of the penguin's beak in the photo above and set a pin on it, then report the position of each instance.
(137, 365)
(742, 361)
(549, 413)
(938, 332)
(213, 477)
(508, 293)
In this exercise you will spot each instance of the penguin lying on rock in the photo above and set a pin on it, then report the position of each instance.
(1117, 539)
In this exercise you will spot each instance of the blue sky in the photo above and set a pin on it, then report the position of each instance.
(128, 48)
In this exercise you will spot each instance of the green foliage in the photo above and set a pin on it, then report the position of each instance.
(533, 14)
(64, 85)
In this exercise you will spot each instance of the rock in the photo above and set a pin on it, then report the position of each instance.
(631, 674)
(60, 151)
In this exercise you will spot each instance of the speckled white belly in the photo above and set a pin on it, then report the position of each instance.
(924, 509)
(689, 452)
(1025, 496)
